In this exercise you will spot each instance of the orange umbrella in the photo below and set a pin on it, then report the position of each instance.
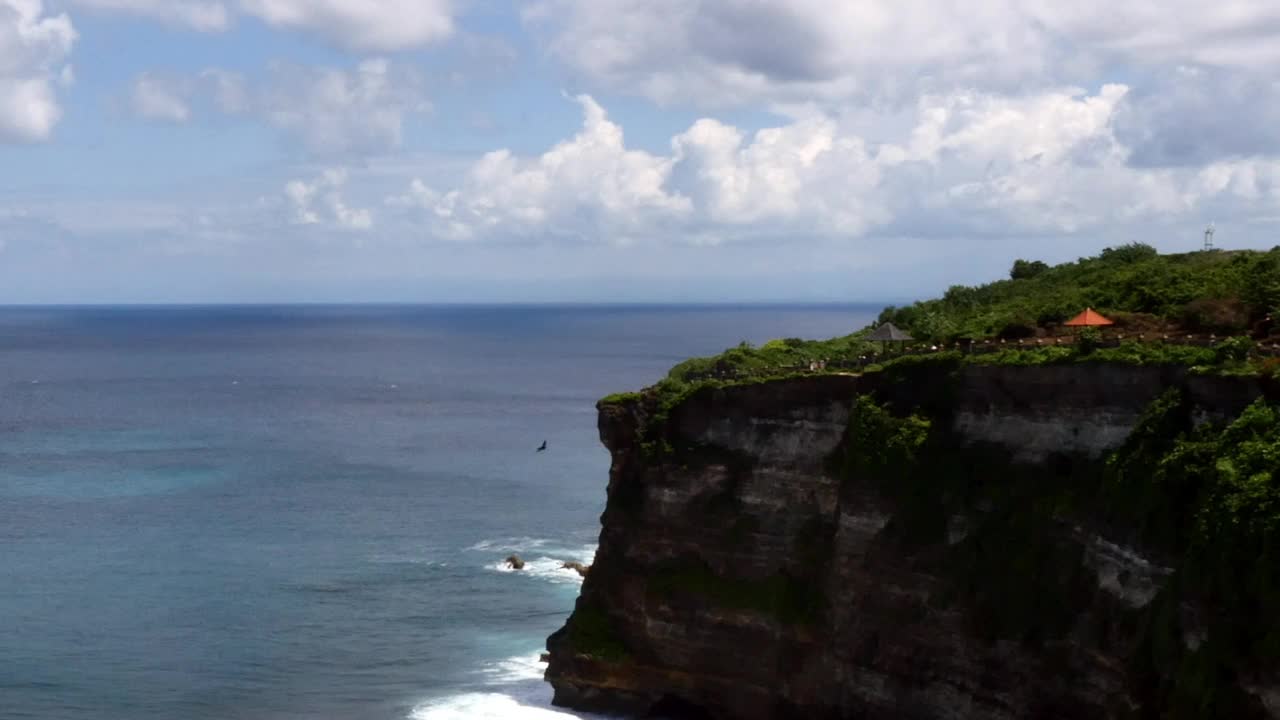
(1088, 318)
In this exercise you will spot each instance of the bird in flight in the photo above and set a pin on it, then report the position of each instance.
(543, 446)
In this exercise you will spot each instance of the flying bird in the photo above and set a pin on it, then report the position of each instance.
(543, 446)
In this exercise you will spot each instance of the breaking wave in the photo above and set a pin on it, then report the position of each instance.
(543, 559)
(513, 690)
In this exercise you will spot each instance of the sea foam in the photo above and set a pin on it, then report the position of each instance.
(543, 568)
(543, 559)
(514, 690)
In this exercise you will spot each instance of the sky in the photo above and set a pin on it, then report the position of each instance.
(190, 151)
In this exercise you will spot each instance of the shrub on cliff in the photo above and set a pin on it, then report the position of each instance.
(773, 358)
(1088, 340)
(1027, 269)
(1210, 496)
(879, 445)
(1215, 315)
(1128, 253)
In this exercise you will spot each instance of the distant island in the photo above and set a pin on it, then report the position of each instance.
(987, 513)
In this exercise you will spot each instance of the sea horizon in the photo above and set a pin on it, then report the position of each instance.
(570, 304)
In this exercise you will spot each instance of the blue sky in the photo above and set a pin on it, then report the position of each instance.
(617, 150)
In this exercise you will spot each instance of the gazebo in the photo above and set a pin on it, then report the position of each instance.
(1089, 318)
(887, 333)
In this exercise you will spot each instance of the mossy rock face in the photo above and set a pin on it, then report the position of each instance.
(785, 598)
(1204, 498)
(1018, 581)
(592, 633)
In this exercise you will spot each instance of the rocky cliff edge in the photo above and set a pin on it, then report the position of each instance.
(768, 551)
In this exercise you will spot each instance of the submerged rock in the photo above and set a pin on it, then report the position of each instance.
(571, 565)
(514, 562)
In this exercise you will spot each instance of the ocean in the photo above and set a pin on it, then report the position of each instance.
(269, 513)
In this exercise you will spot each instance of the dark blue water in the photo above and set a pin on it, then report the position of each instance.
(301, 512)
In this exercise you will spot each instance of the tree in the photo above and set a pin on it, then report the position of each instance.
(1129, 253)
(934, 326)
(1262, 285)
(1026, 269)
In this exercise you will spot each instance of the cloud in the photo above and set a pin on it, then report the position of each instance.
(965, 164)
(338, 111)
(202, 15)
(364, 25)
(743, 51)
(320, 202)
(156, 99)
(360, 25)
(34, 48)
(1195, 115)
(780, 174)
(229, 90)
(589, 186)
(330, 111)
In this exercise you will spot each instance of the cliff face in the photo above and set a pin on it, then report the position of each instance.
(745, 571)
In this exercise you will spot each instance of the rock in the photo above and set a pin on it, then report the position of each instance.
(514, 562)
(749, 546)
(544, 657)
(571, 565)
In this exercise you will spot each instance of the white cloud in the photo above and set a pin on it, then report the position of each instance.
(337, 111)
(202, 15)
(34, 48)
(331, 111)
(380, 26)
(966, 164)
(781, 173)
(366, 25)
(590, 186)
(743, 51)
(157, 99)
(320, 202)
(361, 25)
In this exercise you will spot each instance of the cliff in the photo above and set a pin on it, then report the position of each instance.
(934, 542)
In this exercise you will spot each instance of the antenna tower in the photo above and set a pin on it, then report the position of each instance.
(1208, 237)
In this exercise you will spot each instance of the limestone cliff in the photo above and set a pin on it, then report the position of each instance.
(759, 559)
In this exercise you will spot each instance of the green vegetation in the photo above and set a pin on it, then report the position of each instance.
(1232, 356)
(774, 357)
(1025, 270)
(620, 398)
(879, 446)
(1224, 293)
(1210, 496)
(885, 452)
(1200, 292)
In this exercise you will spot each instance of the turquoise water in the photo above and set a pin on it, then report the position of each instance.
(301, 512)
